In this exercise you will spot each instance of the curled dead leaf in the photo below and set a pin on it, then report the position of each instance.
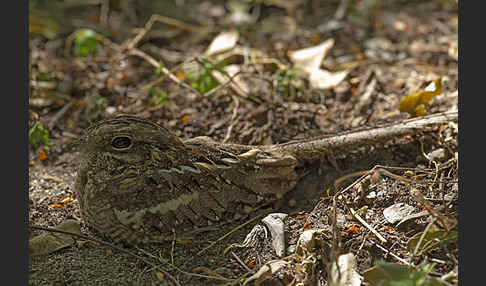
(53, 206)
(223, 42)
(42, 155)
(311, 57)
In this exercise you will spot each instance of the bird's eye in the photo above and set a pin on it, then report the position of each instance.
(121, 143)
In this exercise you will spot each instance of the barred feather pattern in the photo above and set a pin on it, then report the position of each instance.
(138, 182)
(157, 183)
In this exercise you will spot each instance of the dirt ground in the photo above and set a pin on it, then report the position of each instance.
(390, 51)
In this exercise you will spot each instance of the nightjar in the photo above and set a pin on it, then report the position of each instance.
(137, 181)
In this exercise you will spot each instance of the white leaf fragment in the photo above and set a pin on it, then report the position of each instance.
(311, 57)
(275, 223)
(223, 42)
(397, 212)
(345, 274)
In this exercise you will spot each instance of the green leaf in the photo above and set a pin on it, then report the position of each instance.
(393, 274)
(158, 70)
(97, 103)
(200, 79)
(159, 97)
(289, 83)
(38, 134)
(85, 42)
(434, 238)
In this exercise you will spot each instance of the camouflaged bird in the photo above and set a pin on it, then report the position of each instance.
(137, 181)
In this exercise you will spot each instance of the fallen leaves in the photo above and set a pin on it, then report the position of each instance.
(416, 104)
(49, 242)
(310, 59)
(353, 229)
(223, 42)
(42, 155)
(62, 202)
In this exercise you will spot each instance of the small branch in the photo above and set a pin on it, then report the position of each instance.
(233, 119)
(344, 142)
(230, 232)
(166, 20)
(240, 262)
(341, 10)
(389, 252)
(153, 62)
(59, 114)
(365, 224)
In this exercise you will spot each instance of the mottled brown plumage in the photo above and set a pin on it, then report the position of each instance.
(137, 180)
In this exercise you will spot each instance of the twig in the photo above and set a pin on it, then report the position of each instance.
(153, 62)
(241, 262)
(105, 8)
(221, 85)
(230, 232)
(132, 254)
(341, 10)
(233, 85)
(446, 222)
(59, 114)
(216, 276)
(172, 247)
(389, 252)
(107, 244)
(166, 20)
(233, 119)
(365, 224)
(171, 71)
(421, 239)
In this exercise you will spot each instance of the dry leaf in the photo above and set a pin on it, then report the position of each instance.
(397, 212)
(322, 79)
(180, 75)
(66, 200)
(49, 242)
(453, 51)
(311, 57)
(52, 206)
(251, 264)
(237, 82)
(345, 273)
(223, 42)
(186, 117)
(353, 229)
(307, 227)
(42, 155)
(160, 276)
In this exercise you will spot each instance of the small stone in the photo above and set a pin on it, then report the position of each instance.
(438, 155)
(371, 195)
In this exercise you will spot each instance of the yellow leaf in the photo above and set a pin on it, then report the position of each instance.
(160, 276)
(416, 103)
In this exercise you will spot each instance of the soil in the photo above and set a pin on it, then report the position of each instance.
(400, 46)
